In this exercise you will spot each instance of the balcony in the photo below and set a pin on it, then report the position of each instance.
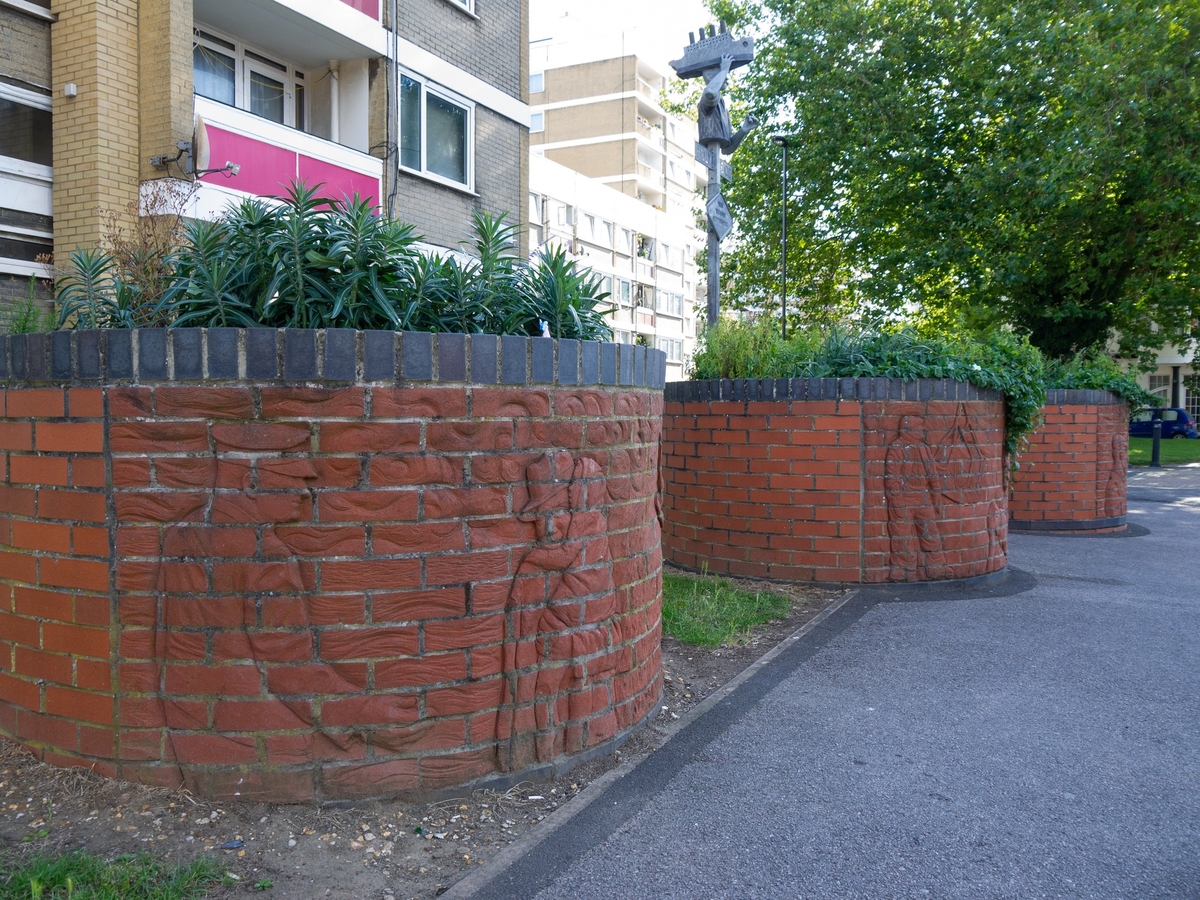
(308, 33)
(651, 133)
(651, 178)
(643, 321)
(272, 156)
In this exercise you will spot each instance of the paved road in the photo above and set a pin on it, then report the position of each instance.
(1040, 744)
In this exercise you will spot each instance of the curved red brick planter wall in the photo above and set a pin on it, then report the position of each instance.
(1072, 474)
(835, 480)
(295, 564)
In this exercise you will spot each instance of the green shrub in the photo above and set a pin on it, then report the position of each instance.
(1090, 370)
(306, 262)
(26, 316)
(1000, 360)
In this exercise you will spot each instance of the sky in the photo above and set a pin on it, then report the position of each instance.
(584, 30)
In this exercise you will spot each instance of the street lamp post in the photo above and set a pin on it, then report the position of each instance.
(782, 141)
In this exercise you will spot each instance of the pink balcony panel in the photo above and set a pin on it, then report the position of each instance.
(267, 170)
(367, 7)
(337, 182)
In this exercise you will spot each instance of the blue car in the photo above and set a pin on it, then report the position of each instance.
(1176, 423)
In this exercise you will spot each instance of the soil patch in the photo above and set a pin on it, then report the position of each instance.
(383, 850)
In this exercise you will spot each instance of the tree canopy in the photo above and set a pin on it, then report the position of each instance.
(1035, 163)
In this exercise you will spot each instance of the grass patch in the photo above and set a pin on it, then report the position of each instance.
(85, 876)
(710, 611)
(1172, 452)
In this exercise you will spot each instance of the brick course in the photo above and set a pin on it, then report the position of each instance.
(1072, 476)
(834, 480)
(249, 604)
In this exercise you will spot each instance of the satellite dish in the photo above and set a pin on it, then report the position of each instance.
(200, 148)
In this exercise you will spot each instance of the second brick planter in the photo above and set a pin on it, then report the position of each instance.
(1072, 476)
(835, 480)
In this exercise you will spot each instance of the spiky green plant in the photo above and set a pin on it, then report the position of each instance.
(90, 295)
(555, 292)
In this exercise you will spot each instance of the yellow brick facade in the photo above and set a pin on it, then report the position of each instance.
(94, 45)
(165, 31)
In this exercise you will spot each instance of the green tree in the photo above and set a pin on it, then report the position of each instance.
(1031, 163)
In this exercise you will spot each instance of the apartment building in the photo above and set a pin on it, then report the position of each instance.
(1175, 380)
(640, 253)
(603, 120)
(419, 105)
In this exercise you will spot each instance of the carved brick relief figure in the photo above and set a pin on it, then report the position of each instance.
(926, 478)
(546, 630)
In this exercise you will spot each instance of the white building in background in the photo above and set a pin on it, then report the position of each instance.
(614, 177)
(1176, 380)
(645, 256)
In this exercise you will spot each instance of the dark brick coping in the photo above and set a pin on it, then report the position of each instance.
(742, 389)
(1065, 397)
(332, 356)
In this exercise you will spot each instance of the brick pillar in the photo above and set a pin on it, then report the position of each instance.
(165, 75)
(95, 46)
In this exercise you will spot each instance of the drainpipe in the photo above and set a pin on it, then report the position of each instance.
(334, 113)
(1175, 385)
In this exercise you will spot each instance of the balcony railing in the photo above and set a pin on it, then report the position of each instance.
(271, 157)
(651, 133)
(644, 321)
(651, 177)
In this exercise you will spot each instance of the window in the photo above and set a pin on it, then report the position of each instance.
(624, 292)
(1170, 415)
(229, 72)
(1160, 385)
(537, 122)
(1192, 403)
(606, 285)
(435, 132)
(672, 347)
(25, 132)
(1145, 415)
(468, 5)
(537, 82)
(608, 234)
(623, 337)
(670, 303)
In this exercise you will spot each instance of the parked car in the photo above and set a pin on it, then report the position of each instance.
(1176, 423)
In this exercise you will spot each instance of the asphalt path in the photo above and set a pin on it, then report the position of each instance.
(1039, 739)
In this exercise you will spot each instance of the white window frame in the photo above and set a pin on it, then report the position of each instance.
(467, 6)
(672, 347)
(26, 187)
(243, 67)
(537, 82)
(537, 123)
(429, 87)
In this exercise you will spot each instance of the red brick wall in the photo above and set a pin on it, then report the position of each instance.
(834, 480)
(56, 636)
(286, 591)
(1072, 475)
